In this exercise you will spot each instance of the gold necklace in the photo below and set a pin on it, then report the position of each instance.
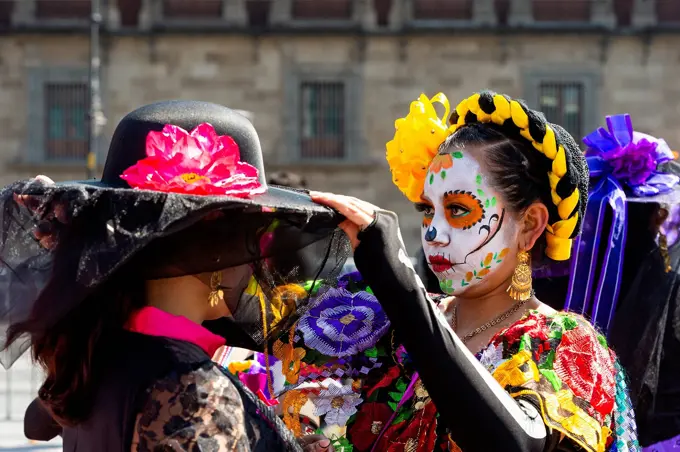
(487, 325)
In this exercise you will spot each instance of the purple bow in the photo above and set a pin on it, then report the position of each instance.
(631, 158)
(617, 158)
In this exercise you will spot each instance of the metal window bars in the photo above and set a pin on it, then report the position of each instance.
(322, 127)
(66, 121)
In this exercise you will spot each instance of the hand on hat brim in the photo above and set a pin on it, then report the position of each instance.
(48, 216)
(360, 214)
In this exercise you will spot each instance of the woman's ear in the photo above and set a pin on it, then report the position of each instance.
(532, 225)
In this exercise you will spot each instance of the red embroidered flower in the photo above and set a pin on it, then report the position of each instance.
(197, 163)
(587, 368)
(368, 424)
(534, 324)
(415, 434)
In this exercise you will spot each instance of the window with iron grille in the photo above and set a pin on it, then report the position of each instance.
(66, 121)
(192, 9)
(58, 107)
(322, 9)
(63, 9)
(567, 96)
(322, 120)
(563, 104)
(443, 9)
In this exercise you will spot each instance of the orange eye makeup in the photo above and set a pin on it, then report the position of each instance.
(463, 209)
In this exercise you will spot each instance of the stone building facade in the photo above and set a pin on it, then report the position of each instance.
(325, 79)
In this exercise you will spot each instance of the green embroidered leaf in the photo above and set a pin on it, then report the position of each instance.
(480, 192)
(401, 385)
(555, 333)
(312, 287)
(396, 396)
(431, 178)
(393, 405)
(369, 290)
(569, 323)
(457, 155)
(548, 364)
(602, 341)
(479, 178)
(371, 352)
(443, 175)
(552, 377)
(342, 444)
(374, 396)
(404, 414)
(525, 342)
(493, 201)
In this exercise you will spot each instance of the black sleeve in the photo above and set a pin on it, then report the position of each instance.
(39, 424)
(480, 414)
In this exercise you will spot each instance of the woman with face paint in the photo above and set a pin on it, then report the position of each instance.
(499, 188)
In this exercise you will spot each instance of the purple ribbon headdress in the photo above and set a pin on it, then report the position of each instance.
(623, 168)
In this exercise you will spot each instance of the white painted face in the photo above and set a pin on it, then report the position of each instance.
(466, 232)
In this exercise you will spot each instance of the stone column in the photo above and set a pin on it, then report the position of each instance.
(234, 12)
(112, 16)
(281, 12)
(602, 13)
(484, 12)
(644, 13)
(363, 13)
(24, 12)
(521, 12)
(151, 12)
(398, 12)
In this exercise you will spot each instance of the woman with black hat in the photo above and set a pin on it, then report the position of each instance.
(114, 283)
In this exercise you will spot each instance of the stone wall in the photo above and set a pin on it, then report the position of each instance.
(632, 75)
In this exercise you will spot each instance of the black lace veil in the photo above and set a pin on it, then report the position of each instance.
(59, 243)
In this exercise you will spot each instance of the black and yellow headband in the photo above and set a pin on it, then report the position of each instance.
(419, 135)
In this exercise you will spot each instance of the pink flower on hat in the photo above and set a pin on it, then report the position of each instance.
(199, 162)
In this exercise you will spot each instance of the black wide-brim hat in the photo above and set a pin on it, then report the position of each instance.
(60, 242)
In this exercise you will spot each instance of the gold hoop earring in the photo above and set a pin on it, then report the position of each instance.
(520, 285)
(216, 294)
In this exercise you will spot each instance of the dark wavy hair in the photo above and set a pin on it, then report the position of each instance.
(74, 351)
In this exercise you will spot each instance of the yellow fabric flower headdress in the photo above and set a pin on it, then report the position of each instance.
(419, 135)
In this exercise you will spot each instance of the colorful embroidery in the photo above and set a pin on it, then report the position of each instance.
(342, 323)
(337, 401)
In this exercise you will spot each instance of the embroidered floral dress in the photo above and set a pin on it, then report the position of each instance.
(344, 361)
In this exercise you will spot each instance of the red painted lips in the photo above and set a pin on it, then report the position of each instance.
(439, 264)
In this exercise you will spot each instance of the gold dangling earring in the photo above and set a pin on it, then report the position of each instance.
(520, 286)
(216, 294)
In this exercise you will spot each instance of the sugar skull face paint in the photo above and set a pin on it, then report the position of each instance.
(466, 231)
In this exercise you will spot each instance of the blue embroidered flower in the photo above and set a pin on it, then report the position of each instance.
(342, 323)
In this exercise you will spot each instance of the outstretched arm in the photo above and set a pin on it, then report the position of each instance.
(479, 413)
